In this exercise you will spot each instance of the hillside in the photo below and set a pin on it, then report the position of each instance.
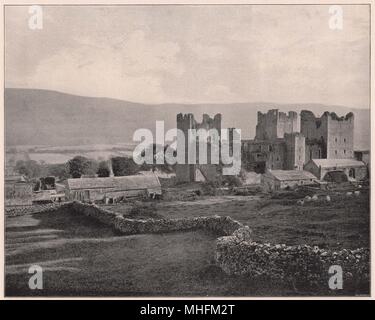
(42, 117)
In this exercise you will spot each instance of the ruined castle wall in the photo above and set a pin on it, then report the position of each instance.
(295, 151)
(274, 124)
(187, 172)
(314, 151)
(287, 123)
(335, 133)
(262, 155)
(313, 128)
(340, 137)
(266, 127)
(276, 157)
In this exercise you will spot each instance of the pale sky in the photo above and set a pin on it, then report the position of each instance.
(193, 54)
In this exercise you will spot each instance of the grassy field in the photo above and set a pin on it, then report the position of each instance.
(341, 223)
(83, 258)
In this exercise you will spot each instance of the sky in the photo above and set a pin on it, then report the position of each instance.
(193, 54)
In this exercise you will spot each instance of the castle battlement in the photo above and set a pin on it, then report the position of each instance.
(274, 124)
(335, 132)
(307, 115)
(187, 121)
(190, 172)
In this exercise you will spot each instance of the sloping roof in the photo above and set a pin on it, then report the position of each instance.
(42, 195)
(15, 178)
(285, 175)
(118, 183)
(338, 163)
(158, 173)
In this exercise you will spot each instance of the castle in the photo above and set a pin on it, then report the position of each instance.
(283, 141)
(289, 141)
(196, 172)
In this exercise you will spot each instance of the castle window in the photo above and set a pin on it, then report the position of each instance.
(335, 139)
(344, 140)
(335, 151)
(344, 151)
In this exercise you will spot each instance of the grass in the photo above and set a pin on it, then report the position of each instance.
(342, 223)
(83, 258)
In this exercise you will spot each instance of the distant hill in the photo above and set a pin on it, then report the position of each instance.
(42, 117)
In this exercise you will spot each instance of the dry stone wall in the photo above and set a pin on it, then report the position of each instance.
(300, 264)
(31, 209)
(237, 254)
(217, 224)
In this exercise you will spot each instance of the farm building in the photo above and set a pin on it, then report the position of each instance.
(363, 155)
(48, 196)
(337, 170)
(111, 189)
(281, 179)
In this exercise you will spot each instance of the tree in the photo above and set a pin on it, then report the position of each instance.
(123, 166)
(29, 168)
(61, 170)
(103, 170)
(47, 183)
(80, 165)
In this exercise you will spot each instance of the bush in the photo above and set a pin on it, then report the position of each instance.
(210, 188)
(232, 181)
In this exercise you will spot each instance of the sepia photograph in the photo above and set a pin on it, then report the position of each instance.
(187, 150)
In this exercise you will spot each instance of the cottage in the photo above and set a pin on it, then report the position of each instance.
(281, 179)
(337, 170)
(112, 188)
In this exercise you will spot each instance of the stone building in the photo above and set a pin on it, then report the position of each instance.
(197, 172)
(287, 141)
(274, 180)
(363, 155)
(274, 124)
(259, 155)
(111, 189)
(328, 136)
(295, 151)
(331, 170)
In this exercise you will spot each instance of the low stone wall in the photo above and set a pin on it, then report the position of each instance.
(301, 265)
(237, 254)
(217, 224)
(14, 211)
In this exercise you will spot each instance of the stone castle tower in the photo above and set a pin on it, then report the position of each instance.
(295, 151)
(333, 134)
(274, 124)
(194, 172)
